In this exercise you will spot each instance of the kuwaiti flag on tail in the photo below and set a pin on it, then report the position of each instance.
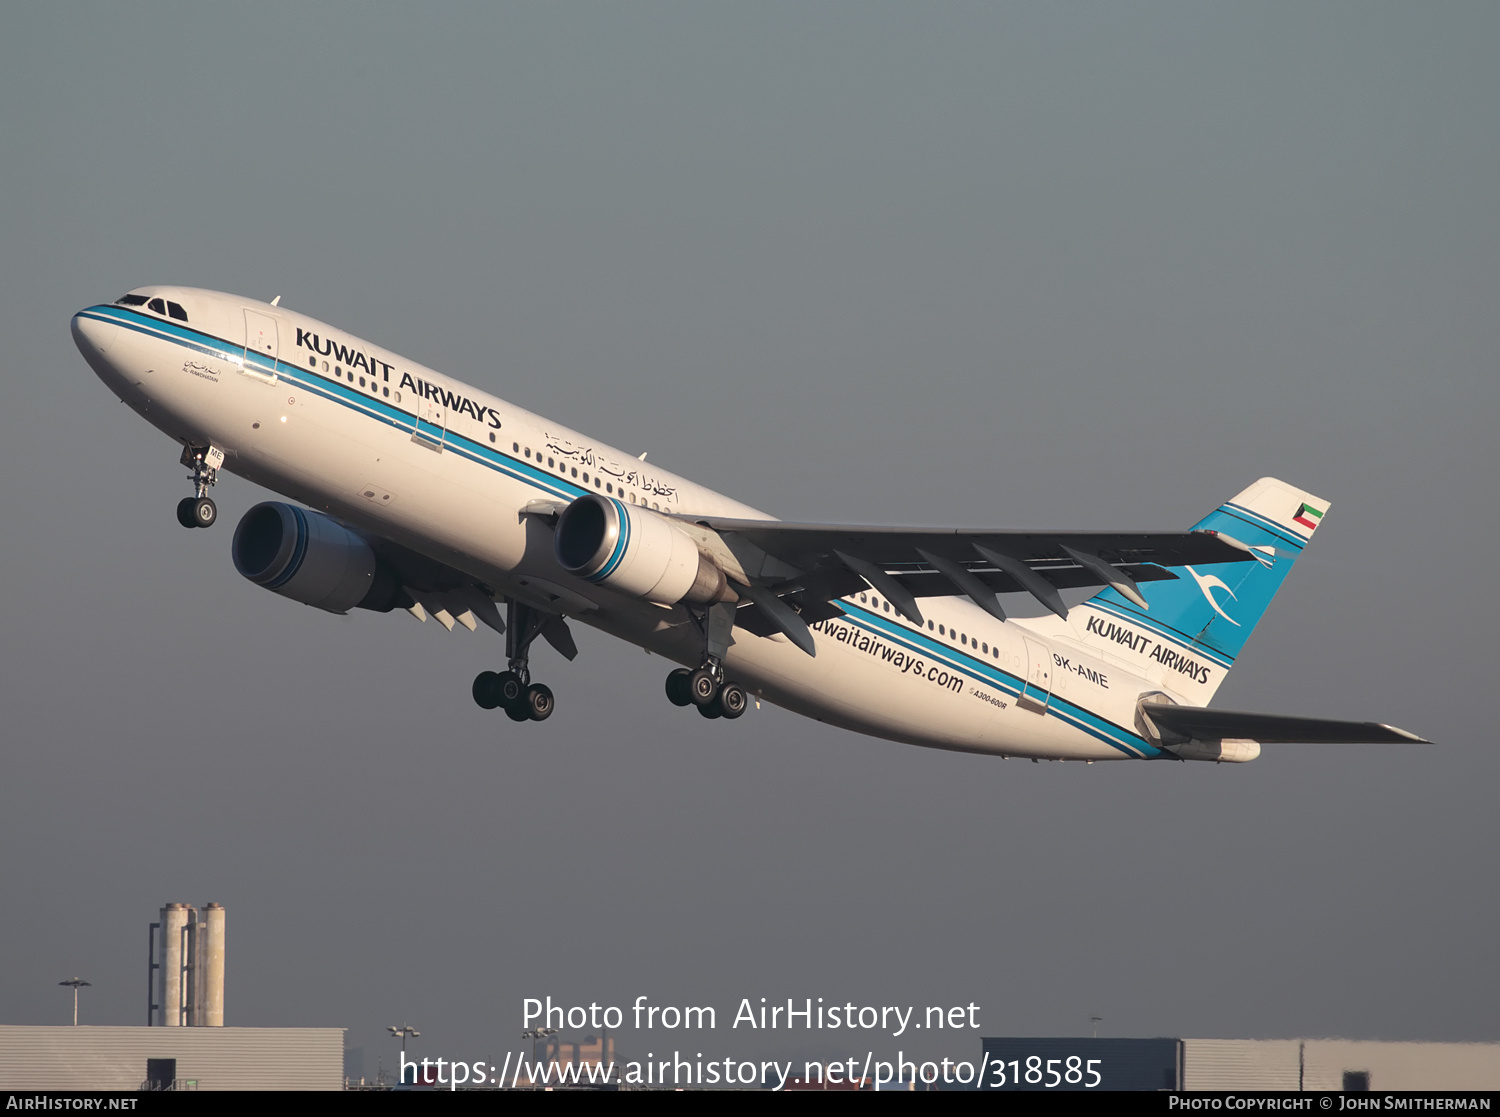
(1308, 516)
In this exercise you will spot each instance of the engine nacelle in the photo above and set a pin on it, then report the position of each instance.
(311, 558)
(635, 551)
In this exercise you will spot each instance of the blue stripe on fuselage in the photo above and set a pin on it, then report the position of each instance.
(1170, 635)
(977, 669)
(333, 390)
(336, 391)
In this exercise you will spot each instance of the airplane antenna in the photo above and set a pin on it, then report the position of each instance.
(643, 455)
(276, 300)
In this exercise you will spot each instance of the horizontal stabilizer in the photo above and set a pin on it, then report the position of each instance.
(1200, 723)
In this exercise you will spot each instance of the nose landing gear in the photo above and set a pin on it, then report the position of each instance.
(199, 510)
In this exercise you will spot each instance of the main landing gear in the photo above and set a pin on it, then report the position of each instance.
(512, 690)
(199, 510)
(706, 687)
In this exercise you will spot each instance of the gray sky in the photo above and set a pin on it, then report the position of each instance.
(1047, 266)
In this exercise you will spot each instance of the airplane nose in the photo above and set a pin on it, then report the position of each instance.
(92, 336)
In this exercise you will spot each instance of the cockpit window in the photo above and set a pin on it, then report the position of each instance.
(157, 305)
(176, 311)
(131, 300)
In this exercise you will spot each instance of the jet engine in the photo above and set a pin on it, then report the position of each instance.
(311, 558)
(635, 551)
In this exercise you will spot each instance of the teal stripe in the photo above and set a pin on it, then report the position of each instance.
(1171, 635)
(1256, 519)
(335, 391)
(1115, 736)
(622, 544)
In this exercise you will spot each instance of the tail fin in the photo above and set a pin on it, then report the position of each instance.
(1201, 621)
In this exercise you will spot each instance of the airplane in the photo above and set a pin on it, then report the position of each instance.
(417, 492)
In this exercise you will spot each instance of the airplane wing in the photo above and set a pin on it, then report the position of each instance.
(818, 563)
(426, 587)
(1201, 723)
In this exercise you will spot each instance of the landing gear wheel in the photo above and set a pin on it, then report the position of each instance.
(732, 700)
(678, 692)
(517, 713)
(185, 514)
(205, 512)
(487, 690)
(712, 710)
(703, 688)
(509, 689)
(538, 702)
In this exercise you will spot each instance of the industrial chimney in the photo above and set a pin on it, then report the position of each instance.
(187, 967)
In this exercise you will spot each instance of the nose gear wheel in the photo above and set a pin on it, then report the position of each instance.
(199, 510)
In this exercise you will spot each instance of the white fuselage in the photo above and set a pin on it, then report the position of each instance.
(403, 452)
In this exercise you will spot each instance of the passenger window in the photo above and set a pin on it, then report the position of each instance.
(176, 311)
(886, 605)
(575, 471)
(986, 648)
(609, 489)
(942, 631)
(861, 598)
(131, 300)
(528, 451)
(596, 482)
(585, 477)
(157, 305)
(515, 447)
(492, 436)
(550, 463)
(930, 626)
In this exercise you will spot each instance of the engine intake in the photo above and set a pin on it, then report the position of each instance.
(635, 551)
(311, 558)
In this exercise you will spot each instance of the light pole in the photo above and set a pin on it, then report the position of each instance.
(1095, 1020)
(76, 983)
(534, 1034)
(403, 1031)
